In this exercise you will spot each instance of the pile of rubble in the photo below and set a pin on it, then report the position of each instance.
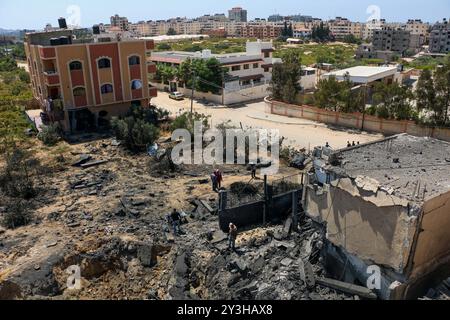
(109, 218)
(441, 292)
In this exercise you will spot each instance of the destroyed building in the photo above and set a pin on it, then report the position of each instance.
(385, 203)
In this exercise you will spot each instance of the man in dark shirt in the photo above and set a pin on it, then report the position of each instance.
(175, 218)
(232, 235)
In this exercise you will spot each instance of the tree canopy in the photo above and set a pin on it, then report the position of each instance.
(286, 76)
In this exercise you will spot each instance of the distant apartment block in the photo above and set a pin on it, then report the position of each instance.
(342, 27)
(237, 14)
(120, 22)
(302, 33)
(440, 37)
(367, 51)
(391, 39)
(83, 83)
(416, 26)
(261, 30)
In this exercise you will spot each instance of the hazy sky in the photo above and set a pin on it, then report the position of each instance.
(34, 14)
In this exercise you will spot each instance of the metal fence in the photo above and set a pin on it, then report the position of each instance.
(253, 190)
(287, 184)
(245, 192)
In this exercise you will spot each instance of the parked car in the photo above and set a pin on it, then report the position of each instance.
(176, 96)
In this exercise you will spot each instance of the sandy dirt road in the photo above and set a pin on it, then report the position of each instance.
(300, 133)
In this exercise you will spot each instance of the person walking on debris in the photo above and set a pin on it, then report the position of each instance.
(219, 178)
(253, 169)
(214, 182)
(349, 144)
(175, 218)
(232, 236)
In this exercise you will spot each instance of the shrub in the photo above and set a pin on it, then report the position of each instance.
(135, 133)
(49, 135)
(187, 120)
(164, 46)
(16, 177)
(17, 215)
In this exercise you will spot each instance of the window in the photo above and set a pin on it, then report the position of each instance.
(104, 63)
(246, 66)
(255, 65)
(136, 84)
(235, 68)
(266, 54)
(134, 60)
(79, 92)
(75, 65)
(107, 88)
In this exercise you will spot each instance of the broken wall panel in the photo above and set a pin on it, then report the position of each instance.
(382, 234)
(433, 241)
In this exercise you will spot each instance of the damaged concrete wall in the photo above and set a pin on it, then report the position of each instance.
(433, 242)
(430, 258)
(366, 221)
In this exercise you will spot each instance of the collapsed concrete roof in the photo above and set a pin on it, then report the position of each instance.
(409, 167)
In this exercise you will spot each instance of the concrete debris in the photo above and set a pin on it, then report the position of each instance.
(440, 292)
(111, 222)
(348, 288)
(82, 160)
(93, 163)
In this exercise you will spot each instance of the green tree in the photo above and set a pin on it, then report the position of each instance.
(425, 92)
(350, 38)
(187, 120)
(171, 32)
(8, 64)
(18, 52)
(165, 73)
(209, 74)
(340, 96)
(163, 46)
(442, 88)
(321, 33)
(393, 101)
(286, 76)
(138, 129)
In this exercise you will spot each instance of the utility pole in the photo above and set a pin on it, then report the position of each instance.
(364, 107)
(223, 87)
(192, 94)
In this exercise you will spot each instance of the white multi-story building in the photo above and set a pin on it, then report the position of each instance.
(245, 70)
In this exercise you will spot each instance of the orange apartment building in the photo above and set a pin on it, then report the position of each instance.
(83, 83)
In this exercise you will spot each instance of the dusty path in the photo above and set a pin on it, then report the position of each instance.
(300, 133)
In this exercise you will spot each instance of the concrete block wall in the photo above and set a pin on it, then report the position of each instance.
(355, 120)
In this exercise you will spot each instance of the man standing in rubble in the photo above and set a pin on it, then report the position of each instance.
(219, 178)
(214, 182)
(232, 236)
(253, 169)
(175, 218)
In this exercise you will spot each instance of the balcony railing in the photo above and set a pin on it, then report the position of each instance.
(151, 68)
(47, 53)
(51, 78)
(152, 91)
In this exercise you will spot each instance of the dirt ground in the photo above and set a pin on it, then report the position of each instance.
(300, 133)
(110, 221)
